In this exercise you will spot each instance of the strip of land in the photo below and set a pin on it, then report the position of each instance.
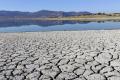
(65, 55)
(72, 18)
(83, 18)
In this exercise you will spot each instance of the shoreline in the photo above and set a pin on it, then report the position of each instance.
(61, 31)
(79, 18)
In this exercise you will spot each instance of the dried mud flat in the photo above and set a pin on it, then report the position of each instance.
(66, 55)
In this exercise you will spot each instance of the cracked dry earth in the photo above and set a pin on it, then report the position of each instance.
(69, 55)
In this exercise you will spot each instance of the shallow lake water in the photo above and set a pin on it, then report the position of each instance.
(57, 26)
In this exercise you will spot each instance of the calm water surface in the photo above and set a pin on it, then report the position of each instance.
(62, 26)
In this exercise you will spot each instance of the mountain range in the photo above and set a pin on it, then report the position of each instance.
(41, 14)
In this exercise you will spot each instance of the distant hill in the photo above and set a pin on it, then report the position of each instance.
(42, 14)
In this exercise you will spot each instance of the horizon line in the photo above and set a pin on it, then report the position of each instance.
(61, 11)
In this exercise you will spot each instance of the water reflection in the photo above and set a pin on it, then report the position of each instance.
(13, 23)
(35, 26)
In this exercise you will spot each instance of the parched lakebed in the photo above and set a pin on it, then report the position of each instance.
(60, 55)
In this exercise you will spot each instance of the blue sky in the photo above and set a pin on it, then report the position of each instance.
(61, 5)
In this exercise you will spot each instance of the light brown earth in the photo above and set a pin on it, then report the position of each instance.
(67, 55)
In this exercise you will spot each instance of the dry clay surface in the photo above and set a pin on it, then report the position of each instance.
(75, 55)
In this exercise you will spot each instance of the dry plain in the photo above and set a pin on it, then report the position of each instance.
(60, 55)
